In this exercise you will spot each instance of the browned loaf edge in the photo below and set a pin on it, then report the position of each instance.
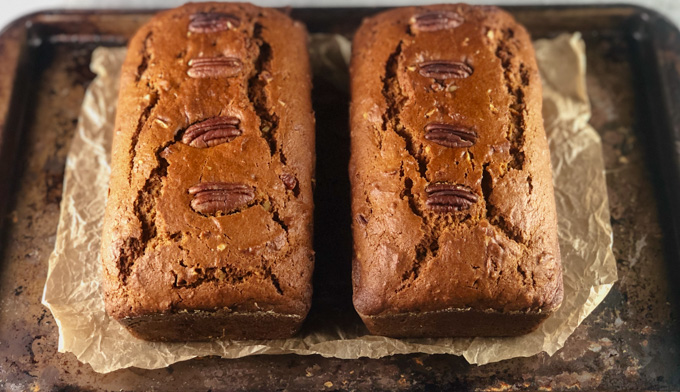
(208, 226)
(454, 223)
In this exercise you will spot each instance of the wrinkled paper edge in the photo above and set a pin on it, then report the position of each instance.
(72, 287)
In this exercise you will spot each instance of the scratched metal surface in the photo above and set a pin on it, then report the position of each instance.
(627, 343)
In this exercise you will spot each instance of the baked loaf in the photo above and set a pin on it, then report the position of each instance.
(208, 227)
(454, 216)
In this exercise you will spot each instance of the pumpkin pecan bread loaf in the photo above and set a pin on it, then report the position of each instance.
(454, 224)
(208, 227)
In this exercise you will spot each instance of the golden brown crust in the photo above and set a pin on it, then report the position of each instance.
(499, 251)
(160, 254)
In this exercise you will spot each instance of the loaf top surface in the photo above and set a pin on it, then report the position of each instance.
(216, 94)
(452, 194)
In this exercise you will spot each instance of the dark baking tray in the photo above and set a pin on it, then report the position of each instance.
(629, 342)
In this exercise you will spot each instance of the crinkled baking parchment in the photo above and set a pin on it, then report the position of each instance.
(72, 289)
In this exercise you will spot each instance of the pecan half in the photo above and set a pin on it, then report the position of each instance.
(289, 181)
(210, 22)
(214, 67)
(443, 197)
(449, 135)
(444, 69)
(211, 132)
(435, 20)
(211, 198)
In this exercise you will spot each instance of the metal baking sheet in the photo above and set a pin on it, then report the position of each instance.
(629, 342)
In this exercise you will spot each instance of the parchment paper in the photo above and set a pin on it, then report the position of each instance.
(72, 289)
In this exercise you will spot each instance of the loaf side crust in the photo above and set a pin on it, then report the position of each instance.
(207, 326)
(466, 322)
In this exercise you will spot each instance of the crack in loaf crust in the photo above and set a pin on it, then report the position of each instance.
(207, 234)
(454, 224)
